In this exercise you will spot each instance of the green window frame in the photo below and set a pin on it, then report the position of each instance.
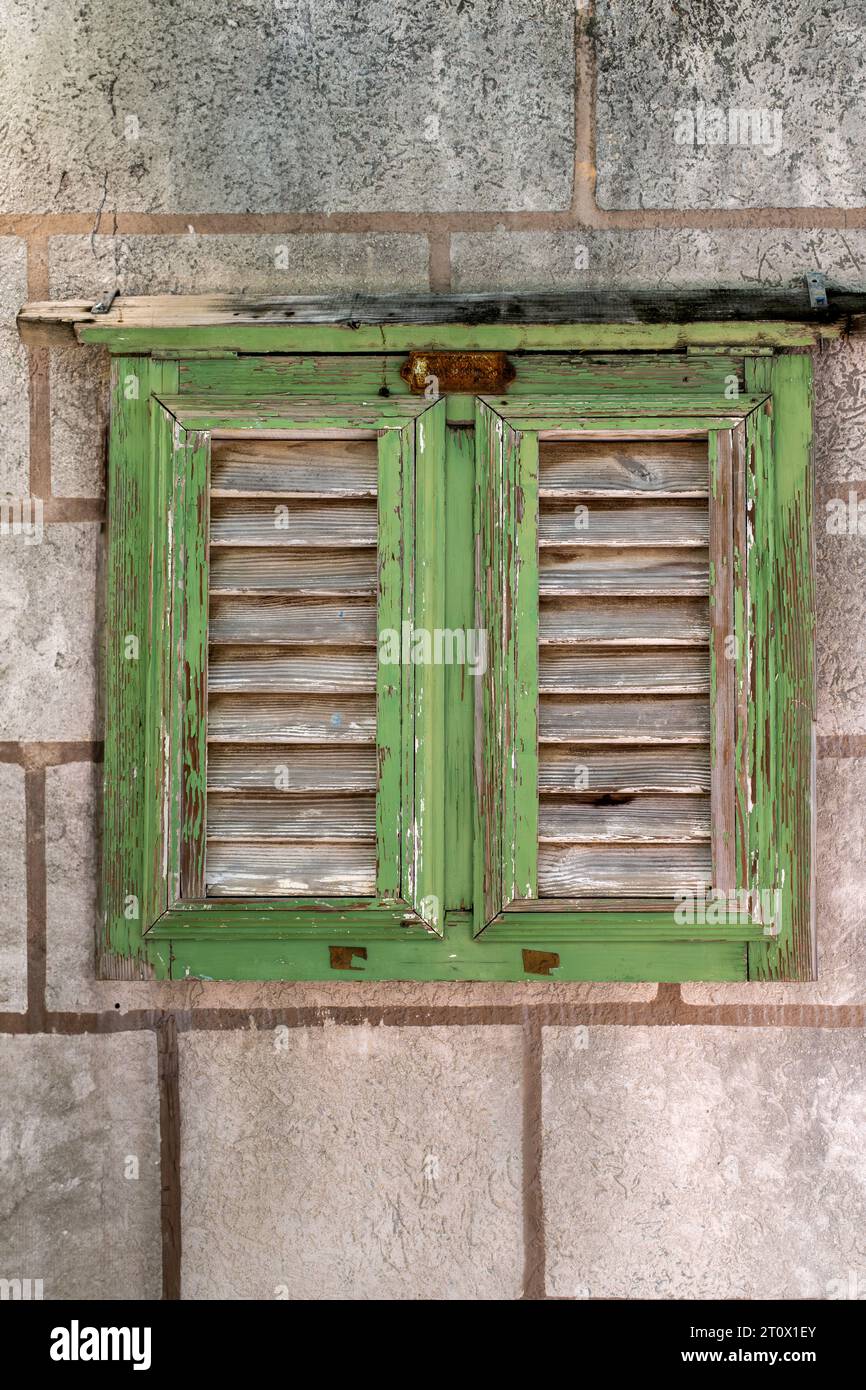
(456, 807)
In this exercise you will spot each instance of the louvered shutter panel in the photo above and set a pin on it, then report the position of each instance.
(307, 765)
(291, 688)
(605, 722)
(624, 668)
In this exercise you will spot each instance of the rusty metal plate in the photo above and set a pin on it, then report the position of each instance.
(437, 373)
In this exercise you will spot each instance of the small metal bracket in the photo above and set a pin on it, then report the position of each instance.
(103, 305)
(816, 284)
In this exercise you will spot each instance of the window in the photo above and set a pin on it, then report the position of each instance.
(470, 686)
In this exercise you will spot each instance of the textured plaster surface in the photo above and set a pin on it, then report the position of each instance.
(49, 614)
(13, 890)
(840, 411)
(79, 1143)
(349, 1163)
(695, 1163)
(840, 905)
(656, 258)
(656, 62)
(14, 404)
(840, 575)
(286, 105)
(79, 379)
(298, 263)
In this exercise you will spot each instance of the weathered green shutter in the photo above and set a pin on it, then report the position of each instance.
(587, 645)
(613, 765)
(283, 763)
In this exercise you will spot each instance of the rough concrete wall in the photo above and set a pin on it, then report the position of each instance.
(360, 1140)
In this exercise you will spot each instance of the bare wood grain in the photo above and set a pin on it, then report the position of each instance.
(584, 468)
(677, 769)
(273, 719)
(656, 572)
(331, 768)
(335, 572)
(585, 671)
(618, 719)
(257, 620)
(579, 871)
(604, 523)
(627, 819)
(281, 870)
(288, 670)
(624, 622)
(292, 525)
(240, 816)
(294, 468)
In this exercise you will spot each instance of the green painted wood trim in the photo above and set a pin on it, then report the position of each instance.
(535, 374)
(460, 680)
(190, 639)
(395, 464)
(426, 885)
(127, 891)
(782, 822)
(723, 672)
(161, 876)
(520, 461)
(232, 414)
(588, 925)
(491, 529)
(387, 337)
(506, 581)
(248, 920)
(459, 957)
(625, 409)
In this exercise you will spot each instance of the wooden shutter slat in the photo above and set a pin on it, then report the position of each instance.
(589, 672)
(317, 572)
(627, 819)
(290, 870)
(611, 468)
(257, 620)
(239, 816)
(665, 573)
(261, 670)
(302, 468)
(583, 871)
(300, 769)
(269, 719)
(293, 525)
(676, 769)
(624, 622)
(623, 720)
(632, 526)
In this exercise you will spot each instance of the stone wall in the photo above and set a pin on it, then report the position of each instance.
(409, 1140)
